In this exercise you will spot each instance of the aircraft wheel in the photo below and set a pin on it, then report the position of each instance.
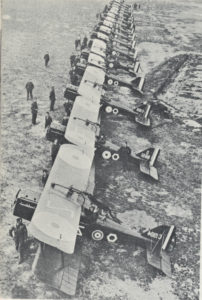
(97, 235)
(115, 111)
(116, 83)
(108, 109)
(115, 156)
(112, 238)
(110, 81)
(106, 154)
(111, 65)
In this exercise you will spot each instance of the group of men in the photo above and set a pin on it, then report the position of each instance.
(81, 45)
(29, 88)
(34, 105)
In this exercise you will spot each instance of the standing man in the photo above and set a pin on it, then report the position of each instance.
(44, 177)
(46, 59)
(124, 153)
(84, 43)
(48, 120)
(72, 59)
(65, 120)
(29, 87)
(19, 235)
(68, 107)
(34, 110)
(52, 98)
(78, 43)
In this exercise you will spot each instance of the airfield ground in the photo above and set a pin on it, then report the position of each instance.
(169, 42)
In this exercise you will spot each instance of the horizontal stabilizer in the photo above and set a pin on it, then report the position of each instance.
(161, 262)
(143, 118)
(143, 121)
(149, 170)
(148, 158)
(137, 84)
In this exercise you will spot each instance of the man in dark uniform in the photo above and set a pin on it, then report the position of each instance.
(68, 107)
(78, 43)
(65, 120)
(84, 43)
(19, 235)
(72, 59)
(34, 110)
(48, 120)
(52, 98)
(73, 77)
(46, 59)
(124, 153)
(54, 149)
(77, 60)
(29, 87)
(106, 9)
(44, 177)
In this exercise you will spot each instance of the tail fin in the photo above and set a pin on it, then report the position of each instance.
(133, 36)
(135, 55)
(148, 158)
(143, 118)
(137, 84)
(163, 240)
(136, 67)
(133, 44)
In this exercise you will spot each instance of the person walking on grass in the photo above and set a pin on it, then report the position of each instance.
(34, 111)
(29, 87)
(46, 59)
(52, 98)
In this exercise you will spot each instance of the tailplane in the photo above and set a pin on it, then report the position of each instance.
(163, 240)
(143, 118)
(148, 159)
(137, 84)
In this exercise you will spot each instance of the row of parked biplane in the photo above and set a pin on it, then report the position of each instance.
(67, 211)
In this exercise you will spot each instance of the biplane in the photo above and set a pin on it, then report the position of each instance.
(140, 113)
(100, 36)
(66, 213)
(111, 62)
(117, 26)
(127, 43)
(121, 53)
(135, 84)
